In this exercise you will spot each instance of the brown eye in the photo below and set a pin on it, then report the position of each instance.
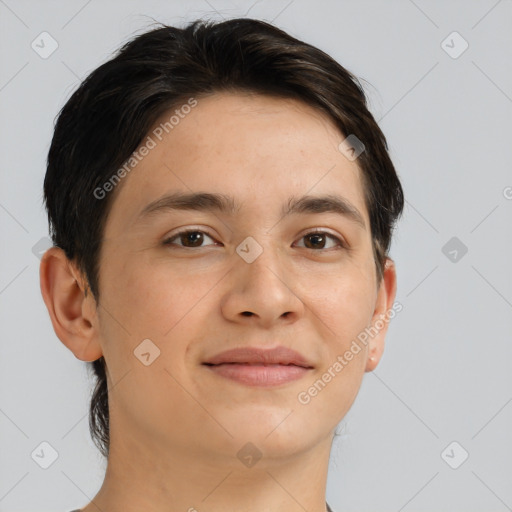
(318, 240)
(189, 238)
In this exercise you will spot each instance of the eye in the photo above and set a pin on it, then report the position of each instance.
(194, 238)
(318, 240)
(189, 238)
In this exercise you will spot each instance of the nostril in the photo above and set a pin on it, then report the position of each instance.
(246, 313)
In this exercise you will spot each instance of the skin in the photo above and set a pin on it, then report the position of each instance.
(175, 427)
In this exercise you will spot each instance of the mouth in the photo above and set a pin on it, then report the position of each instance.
(260, 367)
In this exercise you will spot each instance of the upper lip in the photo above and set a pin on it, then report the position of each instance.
(278, 355)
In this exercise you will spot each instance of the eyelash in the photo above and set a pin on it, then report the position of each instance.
(342, 244)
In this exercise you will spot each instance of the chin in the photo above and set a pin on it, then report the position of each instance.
(276, 430)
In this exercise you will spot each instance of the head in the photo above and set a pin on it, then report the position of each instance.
(244, 115)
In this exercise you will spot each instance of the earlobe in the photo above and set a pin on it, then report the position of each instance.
(380, 320)
(371, 364)
(73, 315)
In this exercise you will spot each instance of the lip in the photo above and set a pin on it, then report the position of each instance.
(260, 367)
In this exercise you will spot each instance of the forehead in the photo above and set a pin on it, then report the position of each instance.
(253, 147)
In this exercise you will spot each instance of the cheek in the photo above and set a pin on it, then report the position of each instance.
(342, 309)
(330, 394)
(149, 302)
(150, 299)
(344, 304)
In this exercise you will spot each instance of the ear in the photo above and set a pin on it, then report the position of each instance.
(73, 312)
(381, 316)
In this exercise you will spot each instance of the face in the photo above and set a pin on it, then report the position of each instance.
(250, 276)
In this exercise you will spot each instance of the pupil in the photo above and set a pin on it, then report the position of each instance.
(316, 236)
(193, 237)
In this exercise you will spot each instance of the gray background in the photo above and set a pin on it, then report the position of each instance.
(445, 375)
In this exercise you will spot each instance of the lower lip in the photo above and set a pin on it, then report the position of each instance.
(259, 375)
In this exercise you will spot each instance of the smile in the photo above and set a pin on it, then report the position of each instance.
(257, 374)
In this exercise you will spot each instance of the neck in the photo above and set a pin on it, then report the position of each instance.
(142, 476)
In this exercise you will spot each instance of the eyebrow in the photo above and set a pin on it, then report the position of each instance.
(222, 203)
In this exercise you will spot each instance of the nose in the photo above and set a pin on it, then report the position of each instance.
(261, 292)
